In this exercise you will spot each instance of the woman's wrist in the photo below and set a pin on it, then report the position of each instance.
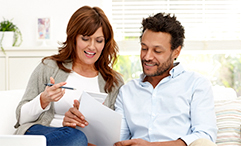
(43, 102)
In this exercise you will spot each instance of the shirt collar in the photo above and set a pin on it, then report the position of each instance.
(176, 70)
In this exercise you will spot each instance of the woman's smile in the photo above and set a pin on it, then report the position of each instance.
(89, 54)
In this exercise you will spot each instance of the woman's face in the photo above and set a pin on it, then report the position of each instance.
(89, 48)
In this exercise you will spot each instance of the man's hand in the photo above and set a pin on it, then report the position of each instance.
(141, 142)
(73, 117)
(133, 142)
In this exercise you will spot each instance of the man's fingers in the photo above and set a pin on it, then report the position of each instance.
(127, 142)
(119, 144)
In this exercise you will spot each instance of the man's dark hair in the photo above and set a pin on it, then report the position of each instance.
(162, 22)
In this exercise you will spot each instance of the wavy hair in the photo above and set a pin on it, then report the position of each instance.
(85, 21)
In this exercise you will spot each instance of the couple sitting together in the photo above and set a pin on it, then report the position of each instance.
(166, 106)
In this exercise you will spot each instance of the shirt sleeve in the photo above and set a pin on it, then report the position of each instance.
(125, 132)
(203, 118)
(32, 110)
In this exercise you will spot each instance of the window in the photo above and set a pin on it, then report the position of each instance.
(213, 36)
(221, 69)
(206, 22)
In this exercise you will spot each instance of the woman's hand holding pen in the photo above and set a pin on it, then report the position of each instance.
(73, 117)
(51, 94)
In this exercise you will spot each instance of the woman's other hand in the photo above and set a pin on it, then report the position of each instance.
(52, 94)
(73, 117)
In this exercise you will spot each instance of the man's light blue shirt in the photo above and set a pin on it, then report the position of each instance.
(180, 106)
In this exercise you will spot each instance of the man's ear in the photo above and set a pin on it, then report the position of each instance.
(176, 52)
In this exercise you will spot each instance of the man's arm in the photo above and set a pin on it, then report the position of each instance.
(141, 142)
(125, 132)
(203, 119)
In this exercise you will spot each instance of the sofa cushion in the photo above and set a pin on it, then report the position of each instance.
(228, 115)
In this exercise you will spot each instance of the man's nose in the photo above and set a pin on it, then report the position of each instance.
(149, 55)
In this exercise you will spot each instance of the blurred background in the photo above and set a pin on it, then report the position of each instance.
(213, 34)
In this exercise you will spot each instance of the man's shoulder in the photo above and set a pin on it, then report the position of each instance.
(193, 74)
(196, 78)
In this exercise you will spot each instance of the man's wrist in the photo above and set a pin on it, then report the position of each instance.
(182, 142)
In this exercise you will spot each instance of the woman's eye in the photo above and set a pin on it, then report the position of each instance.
(85, 38)
(143, 49)
(99, 41)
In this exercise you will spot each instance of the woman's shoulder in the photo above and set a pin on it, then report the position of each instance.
(46, 65)
(49, 62)
(119, 78)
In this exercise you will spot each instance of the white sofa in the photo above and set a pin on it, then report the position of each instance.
(228, 115)
(227, 107)
(8, 103)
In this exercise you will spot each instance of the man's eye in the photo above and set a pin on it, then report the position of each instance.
(143, 49)
(158, 51)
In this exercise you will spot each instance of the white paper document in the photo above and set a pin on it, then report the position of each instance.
(104, 123)
(98, 96)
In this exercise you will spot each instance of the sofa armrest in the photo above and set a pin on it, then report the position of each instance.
(8, 103)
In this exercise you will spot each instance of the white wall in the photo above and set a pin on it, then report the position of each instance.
(25, 13)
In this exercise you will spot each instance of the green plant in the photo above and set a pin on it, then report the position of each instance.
(7, 25)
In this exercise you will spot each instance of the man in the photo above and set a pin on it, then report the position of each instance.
(167, 106)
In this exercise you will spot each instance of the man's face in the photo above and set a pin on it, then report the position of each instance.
(156, 54)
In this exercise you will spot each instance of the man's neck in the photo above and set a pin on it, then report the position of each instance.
(155, 80)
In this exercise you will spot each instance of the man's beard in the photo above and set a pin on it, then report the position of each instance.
(161, 69)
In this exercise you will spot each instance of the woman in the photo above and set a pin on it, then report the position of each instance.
(84, 62)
